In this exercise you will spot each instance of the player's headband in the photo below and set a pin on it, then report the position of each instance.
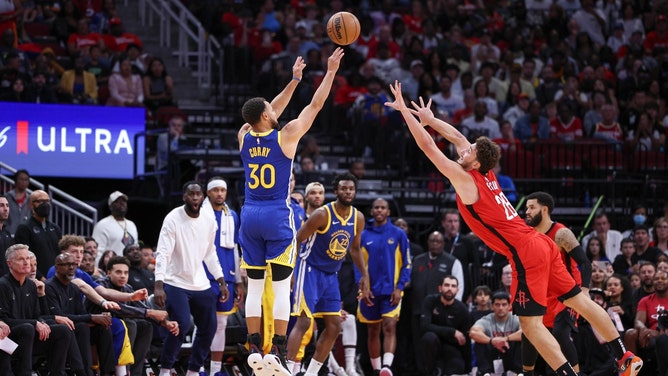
(215, 184)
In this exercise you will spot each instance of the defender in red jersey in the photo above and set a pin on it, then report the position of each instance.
(534, 257)
(560, 319)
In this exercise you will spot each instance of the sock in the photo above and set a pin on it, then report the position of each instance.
(313, 367)
(297, 368)
(291, 365)
(215, 366)
(617, 347)
(388, 358)
(566, 370)
(332, 364)
(192, 373)
(375, 363)
(165, 372)
(528, 373)
(121, 370)
(350, 353)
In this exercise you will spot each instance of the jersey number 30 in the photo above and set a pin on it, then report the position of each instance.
(507, 206)
(266, 178)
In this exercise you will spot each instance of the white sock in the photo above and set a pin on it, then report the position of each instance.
(332, 364)
(121, 371)
(297, 368)
(375, 363)
(192, 373)
(165, 372)
(350, 353)
(313, 368)
(388, 358)
(215, 366)
(291, 365)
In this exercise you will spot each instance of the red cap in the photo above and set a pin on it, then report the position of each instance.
(115, 21)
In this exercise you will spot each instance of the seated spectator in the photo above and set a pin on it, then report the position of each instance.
(99, 23)
(481, 302)
(498, 336)
(507, 141)
(598, 275)
(661, 234)
(79, 43)
(88, 266)
(370, 114)
(608, 128)
(78, 85)
(125, 88)
(643, 250)
(104, 259)
(98, 66)
(505, 183)
(171, 141)
(593, 355)
(158, 86)
(18, 92)
(139, 277)
(623, 263)
(10, 72)
(638, 217)
(646, 136)
(469, 104)
(117, 40)
(446, 102)
(566, 126)
(40, 91)
(88, 8)
(596, 250)
(620, 306)
(518, 110)
(66, 21)
(483, 93)
(148, 258)
(648, 338)
(549, 86)
(445, 325)
(480, 124)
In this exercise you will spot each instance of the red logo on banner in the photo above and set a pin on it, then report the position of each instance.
(21, 137)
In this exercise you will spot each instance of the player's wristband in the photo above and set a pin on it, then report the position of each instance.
(296, 78)
(102, 302)
(490, 340)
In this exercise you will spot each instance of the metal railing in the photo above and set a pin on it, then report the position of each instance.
(71, 214)
(192, 44)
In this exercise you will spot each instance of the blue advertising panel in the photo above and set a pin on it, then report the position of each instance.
(71, 140)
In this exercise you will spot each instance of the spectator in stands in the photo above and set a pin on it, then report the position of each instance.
(608, 129)
(480, 124)
(104, 259)
(533, 126)
(125, 88)
(39, 232)
(646, 136)
(10, 72)
(469, 105)
(620, 305)
(624, 263)
(646, 272)
(445, 326)
(138, 60)
(88, 266)
(98, 66)
(77, 85)
(521, 108)
(18, 93)
(171, 141)
(118, 40)
(34, 329)
(384, 63)
(5, 236)
(64, 299)
(638, 217)
(66, 22)
(617, 39)
(611, 238)
(158, 86)
(643, 250)
(505, 183)
(446, 102)
(598, 275)
(548, 87)
(596, 250)
(80, 42)
(660, 229)
(566, 126)
(482, 295)
(631, 115)
(148, 258)
(370, 113)
(115, 232)
(99, 23)
(634, 280)
(40, 91)
(357, 168)
(507, 141)
(498, 336)
(18, 198)
(462, 248)
(649, 337)
(572, 95)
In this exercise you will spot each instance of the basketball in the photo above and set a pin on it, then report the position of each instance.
(343, 28)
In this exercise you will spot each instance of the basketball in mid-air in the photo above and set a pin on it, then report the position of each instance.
(343, 28)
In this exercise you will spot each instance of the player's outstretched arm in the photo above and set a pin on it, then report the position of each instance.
(447, 167)
(280, 102)
(317, 220)
(443, 128)
(296, 128)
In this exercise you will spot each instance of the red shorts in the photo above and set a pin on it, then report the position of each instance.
(539, 272)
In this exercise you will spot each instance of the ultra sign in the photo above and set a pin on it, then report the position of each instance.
(70, 140)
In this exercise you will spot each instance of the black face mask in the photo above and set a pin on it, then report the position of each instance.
(43, 210)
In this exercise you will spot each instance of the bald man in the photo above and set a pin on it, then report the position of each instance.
(39, 233)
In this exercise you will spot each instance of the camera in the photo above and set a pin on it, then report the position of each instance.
(662, 319)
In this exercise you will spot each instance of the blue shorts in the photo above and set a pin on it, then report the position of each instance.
(381, 308)
(316, 293)
(228, 306)
(267, 235)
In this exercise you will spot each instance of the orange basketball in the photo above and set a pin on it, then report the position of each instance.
(343, 28)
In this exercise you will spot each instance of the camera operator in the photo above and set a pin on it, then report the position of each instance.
(649, 338)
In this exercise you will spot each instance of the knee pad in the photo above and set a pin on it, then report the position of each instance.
(280, 272)
(218, 343)
(349, 331)
(254, 297)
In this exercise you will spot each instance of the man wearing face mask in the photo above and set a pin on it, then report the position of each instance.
(115, 232)
(639, 218)
(39, 233)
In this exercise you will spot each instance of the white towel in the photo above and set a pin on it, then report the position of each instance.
(226, 228)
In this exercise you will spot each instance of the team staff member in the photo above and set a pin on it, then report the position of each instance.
(267, 234)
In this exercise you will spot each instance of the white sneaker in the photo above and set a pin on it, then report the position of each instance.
(274, 366)
(257, 364)
(340, 372)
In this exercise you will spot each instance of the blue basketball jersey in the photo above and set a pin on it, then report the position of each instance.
(326, 249)
(267, 169)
